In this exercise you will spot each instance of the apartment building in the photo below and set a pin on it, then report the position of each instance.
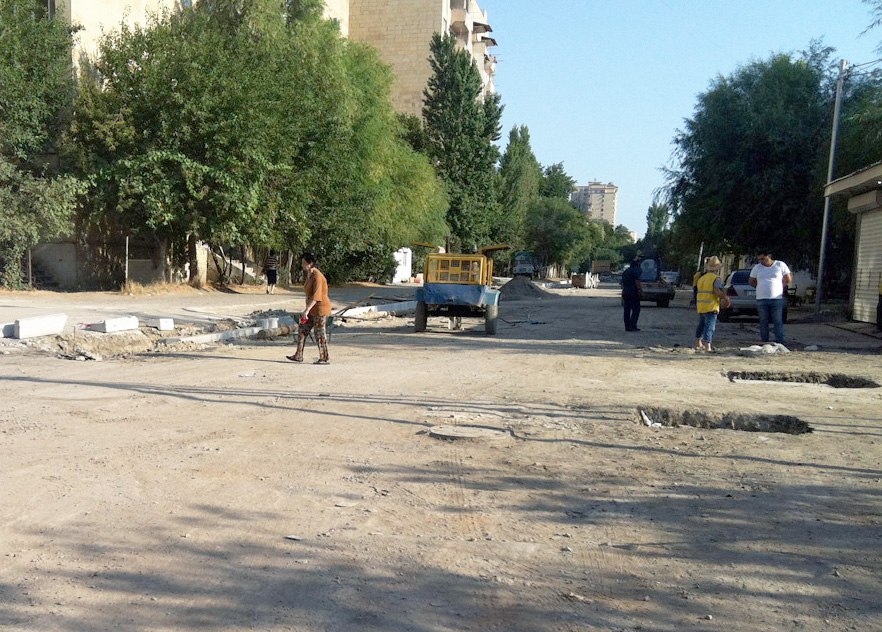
(401, 30)
(597, 200)
(97, 16)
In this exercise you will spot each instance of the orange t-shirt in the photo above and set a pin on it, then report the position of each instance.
(316, 289)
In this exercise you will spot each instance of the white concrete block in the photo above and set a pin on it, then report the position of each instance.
(8, 330)
(395, 308)
(268, 323)
(162, 324)
(244, 332)
(34, 326)
(110, 325)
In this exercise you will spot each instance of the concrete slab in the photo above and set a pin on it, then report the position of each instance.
(47, 325)
(243, 332)
(397, 308)
(268, 323)
(110, 325)
(162, 324)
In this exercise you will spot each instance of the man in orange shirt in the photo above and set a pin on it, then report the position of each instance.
(318, 308)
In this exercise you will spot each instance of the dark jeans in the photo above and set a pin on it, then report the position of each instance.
(632, 311)
(771, 310)
(707, 325)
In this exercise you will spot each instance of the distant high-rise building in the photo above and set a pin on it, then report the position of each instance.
(598, 200)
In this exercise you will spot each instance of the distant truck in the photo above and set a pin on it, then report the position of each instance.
(654, 287)
(523, 264)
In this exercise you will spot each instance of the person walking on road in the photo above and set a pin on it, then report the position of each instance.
(271, 268)
(769, 277)
(710, 291)
(631, 295)
(318, 308)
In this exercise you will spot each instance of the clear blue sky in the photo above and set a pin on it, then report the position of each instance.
(604, 85)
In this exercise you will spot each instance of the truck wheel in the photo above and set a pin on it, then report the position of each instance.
(490, 317)
(421, 317)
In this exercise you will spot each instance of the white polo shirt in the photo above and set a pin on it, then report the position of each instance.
(770, 280)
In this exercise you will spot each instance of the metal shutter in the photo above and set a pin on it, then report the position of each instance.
(868, 266)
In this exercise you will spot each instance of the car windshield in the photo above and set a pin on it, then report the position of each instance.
(649, 271)
(740, 277)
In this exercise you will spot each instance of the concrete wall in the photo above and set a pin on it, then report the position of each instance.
(59, 259)
(338, 10)
(95, 15)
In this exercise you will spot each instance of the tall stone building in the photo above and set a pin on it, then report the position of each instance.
(597, 200)
(401, 30)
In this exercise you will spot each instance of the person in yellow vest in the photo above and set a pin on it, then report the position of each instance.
(710, 291)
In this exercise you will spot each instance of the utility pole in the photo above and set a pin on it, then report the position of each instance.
(819, 293)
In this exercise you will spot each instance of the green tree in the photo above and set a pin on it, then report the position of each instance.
(234, 122)
(461, 127)
(556, 232)
(520, 175)
(658, 216)
(750, 161)
(556, 182)
(35, 97)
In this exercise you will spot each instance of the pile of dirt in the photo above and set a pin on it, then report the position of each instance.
(520, 288)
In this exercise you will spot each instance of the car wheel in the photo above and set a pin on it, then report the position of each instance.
(725, 315)
(490, 318)
(663, 302)
(421, 317)
(784, 315)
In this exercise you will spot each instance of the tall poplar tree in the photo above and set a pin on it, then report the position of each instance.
(520, 176)
(461, 126)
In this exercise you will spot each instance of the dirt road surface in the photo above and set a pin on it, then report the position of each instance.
(226, 488)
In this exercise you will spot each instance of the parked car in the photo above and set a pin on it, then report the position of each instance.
(654, 286)
(743, 296)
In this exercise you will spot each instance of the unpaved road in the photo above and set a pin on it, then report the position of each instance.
(228, 489)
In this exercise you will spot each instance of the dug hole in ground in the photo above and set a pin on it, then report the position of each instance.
(225, 488)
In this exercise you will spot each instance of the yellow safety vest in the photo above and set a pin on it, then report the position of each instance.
(707, 301)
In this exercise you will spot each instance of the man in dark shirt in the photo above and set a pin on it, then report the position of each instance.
(631, 295)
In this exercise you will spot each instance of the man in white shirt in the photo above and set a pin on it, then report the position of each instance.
(769, 278)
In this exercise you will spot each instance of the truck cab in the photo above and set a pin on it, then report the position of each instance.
(654, 287)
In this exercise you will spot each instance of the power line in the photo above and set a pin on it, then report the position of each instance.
(867, 63)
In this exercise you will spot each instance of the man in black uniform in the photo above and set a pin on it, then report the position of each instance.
(631, 295)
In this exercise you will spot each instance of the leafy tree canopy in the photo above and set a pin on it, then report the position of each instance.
(750, 162)
(461, 126)
(520, 176)
(556, 182)
(234, 122)
(35, 96)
